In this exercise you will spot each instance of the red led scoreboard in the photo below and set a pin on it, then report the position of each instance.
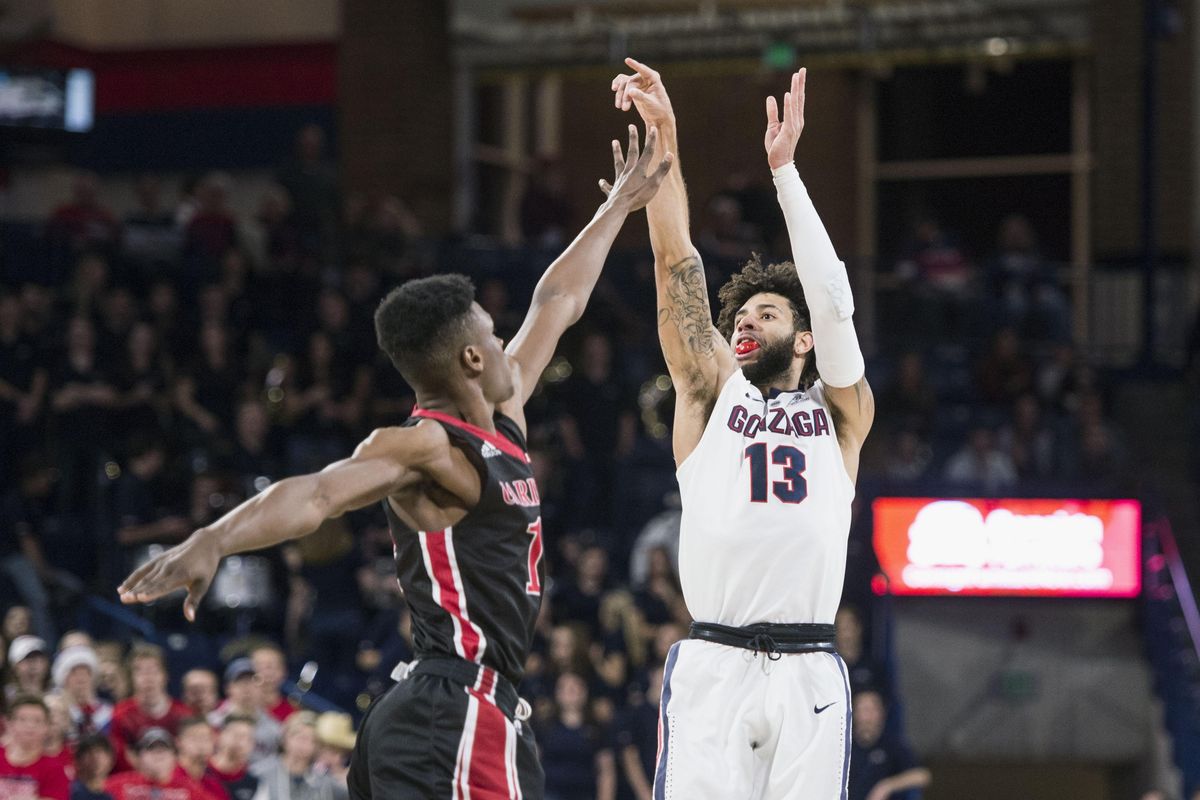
(1008, 547)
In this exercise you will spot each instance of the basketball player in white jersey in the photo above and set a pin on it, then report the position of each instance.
(755, 703)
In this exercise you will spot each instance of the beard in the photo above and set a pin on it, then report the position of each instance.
(774, 360)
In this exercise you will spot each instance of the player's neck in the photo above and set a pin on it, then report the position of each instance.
(468, 405)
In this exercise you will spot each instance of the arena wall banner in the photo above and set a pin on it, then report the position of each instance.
(1009, 547)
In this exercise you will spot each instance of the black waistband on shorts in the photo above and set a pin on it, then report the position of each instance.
(480, 680)
(769, 638)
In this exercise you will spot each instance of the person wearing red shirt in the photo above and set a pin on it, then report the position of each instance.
(197, 742)
(26, 773)
(270, 667)
(156, 776)
(150, 706)
(231, 763)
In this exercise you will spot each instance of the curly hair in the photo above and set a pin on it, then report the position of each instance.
(421, 324)
(755, 278)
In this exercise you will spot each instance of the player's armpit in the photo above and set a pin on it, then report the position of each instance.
(854, 407)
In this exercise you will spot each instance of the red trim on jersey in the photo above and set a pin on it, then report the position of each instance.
(506, 446)
(449, 597)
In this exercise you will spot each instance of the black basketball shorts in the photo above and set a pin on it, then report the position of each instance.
(444, 732)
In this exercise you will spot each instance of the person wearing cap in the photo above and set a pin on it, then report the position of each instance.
(30, 663)
(243, 697)
(335, 742)
(150, 706)
(25, 769)
(74, 674)
(156, 761)
(93, 764)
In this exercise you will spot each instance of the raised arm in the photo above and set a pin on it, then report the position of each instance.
(389, 460)
(823, 276)
(697, 357)
(563, 291)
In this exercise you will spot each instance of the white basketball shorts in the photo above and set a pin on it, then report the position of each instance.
(735, 724)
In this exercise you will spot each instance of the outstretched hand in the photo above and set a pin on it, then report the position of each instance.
(783, 134)
(634, 183)
(190, 565)
(644, 89)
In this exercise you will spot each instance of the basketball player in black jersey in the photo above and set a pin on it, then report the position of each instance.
(460, 496)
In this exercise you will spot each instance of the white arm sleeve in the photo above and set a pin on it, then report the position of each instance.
(826, 285)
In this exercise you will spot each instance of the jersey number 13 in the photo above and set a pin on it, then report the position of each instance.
(792, 489)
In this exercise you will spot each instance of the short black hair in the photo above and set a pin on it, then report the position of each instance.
(755, 278)
(420, 324)
(94, 741)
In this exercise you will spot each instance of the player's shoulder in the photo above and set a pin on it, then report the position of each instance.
(423, 441)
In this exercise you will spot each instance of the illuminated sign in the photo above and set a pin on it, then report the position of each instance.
(1032, 548)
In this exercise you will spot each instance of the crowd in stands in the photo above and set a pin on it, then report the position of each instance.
(159, 364)
(73, 729)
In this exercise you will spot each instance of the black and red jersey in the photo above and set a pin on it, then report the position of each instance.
(475, 588)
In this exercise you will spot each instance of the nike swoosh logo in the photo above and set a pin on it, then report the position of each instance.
(817, 710)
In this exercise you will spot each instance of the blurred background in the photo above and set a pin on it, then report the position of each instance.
(200, 204)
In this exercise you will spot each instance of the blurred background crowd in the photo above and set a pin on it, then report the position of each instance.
(174, 358)
(174, 338)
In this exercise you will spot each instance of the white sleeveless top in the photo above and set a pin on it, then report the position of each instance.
(766, 510)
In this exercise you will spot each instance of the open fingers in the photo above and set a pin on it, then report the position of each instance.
(618, 158)
(664, 167)
(634, 151)
(651, 146)
(772, 111)
(798, 82)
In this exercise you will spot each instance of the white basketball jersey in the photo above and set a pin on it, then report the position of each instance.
(766, 510)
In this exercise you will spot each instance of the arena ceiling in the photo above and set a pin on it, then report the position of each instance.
(542, 32)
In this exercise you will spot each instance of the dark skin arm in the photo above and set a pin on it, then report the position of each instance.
(389, 461)
(563, 291)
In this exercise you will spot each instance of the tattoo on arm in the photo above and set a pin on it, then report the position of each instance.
(688, 308)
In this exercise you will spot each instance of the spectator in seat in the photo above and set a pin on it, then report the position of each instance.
(155, 775)
(244, 698)
(862, 670)
(149, 707)
(82, 397)
(881, 765)
(30, 667)
(231, 762)
(979, 464)
(93, 764)
(290, 775)
(197, 743)
(75, 671)
(598, 426)
(270, 667)
(335, 743)
(200, 692)
(26, 515)
(578, 765)
(637, 739)
(83, 223)
(25, 769)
